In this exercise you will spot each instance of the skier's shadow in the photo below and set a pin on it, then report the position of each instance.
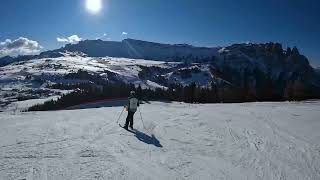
(146, 138)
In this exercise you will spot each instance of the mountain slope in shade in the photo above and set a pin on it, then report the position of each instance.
(137, 49)
(6, 60)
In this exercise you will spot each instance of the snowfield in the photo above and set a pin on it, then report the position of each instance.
(30, 78)
(179, 141)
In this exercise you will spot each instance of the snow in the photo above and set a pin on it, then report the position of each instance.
(190, 141)
(127, 69)
(202, 78)
(23, 105)
(155, 85)
(30, 76)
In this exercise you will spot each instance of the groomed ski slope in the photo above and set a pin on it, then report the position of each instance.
(191, 141)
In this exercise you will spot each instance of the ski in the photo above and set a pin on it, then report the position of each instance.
(129, 130)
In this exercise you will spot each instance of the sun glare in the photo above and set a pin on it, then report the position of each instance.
(94, 6)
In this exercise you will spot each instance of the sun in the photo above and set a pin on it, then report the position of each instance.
(94, 6)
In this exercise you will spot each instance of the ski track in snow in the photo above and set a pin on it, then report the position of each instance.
(191, 141)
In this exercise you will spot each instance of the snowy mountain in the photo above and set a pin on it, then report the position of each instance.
(249, 71)
(6, 60)
(247, 141)
(136, 49)
(317, 70)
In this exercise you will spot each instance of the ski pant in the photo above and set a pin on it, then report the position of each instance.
(129, 120)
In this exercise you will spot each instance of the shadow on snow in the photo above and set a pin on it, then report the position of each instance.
(146, 138)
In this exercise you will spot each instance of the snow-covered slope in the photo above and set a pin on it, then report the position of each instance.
(6, 60)
(254, 141)
(51, 67)
(32, 78)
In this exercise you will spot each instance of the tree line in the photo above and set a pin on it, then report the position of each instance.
(89, 92)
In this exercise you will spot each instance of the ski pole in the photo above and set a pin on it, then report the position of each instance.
(120, 116)
(143, 122)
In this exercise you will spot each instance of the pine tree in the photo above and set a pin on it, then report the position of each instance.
(288, 92)
(298, 90)
(295, 51)
(289, 51)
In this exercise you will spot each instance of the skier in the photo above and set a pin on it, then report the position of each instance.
(132, 106)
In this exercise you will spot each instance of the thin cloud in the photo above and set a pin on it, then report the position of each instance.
(124, 33)
(20, 46)
(71, 39)
(103, 37)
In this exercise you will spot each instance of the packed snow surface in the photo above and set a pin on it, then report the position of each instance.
(177, 141)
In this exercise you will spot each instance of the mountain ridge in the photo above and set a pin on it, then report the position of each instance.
(137, 49)
(240, 72)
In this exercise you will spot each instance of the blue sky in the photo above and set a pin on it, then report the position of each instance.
(197, 22)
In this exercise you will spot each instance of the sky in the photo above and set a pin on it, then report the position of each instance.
(31, 26)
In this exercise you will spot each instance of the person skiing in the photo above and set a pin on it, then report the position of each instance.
(132, 106)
